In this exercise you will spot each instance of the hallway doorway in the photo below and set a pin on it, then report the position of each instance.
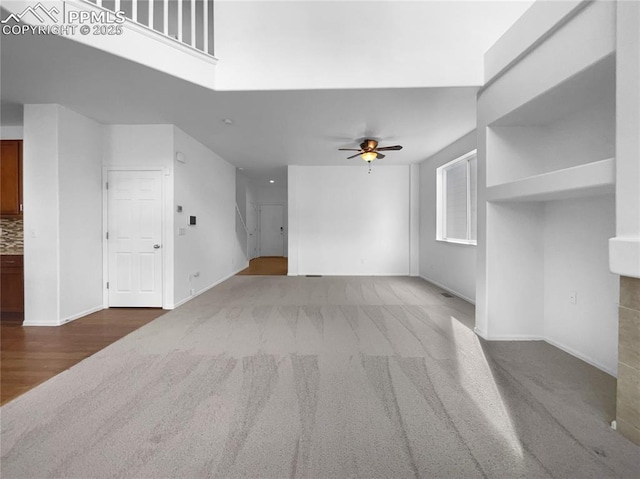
(271, 230)
(266, 266)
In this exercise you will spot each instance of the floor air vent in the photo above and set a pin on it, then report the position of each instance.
(314, 276)
(447, 295)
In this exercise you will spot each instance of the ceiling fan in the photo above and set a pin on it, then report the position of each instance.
(369, 150)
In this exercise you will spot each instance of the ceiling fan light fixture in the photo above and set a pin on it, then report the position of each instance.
(369, 156)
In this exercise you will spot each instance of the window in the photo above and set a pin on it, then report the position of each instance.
(456, 200)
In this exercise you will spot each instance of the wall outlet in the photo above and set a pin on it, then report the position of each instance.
(182, 231)
(573, 297)
(192, 292)
(196, 274)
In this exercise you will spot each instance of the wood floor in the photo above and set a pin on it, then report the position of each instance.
(267, 266)
(31, 355)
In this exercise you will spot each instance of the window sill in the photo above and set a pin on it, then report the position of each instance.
(456, 241)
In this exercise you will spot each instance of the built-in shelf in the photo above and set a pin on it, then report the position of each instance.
(589, 179)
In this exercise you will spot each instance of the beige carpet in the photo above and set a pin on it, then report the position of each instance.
(281, 377)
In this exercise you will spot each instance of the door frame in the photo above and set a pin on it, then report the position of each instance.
(164, 233)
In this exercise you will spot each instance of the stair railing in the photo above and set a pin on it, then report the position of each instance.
(187, 21)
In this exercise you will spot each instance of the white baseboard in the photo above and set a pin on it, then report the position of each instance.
(207, 288)
(358, 275)
(38, 323)
(581, 356)
(556, 344)
(510, 337)
(80, 315)
(65, 320)
(448, 289)
(480, 332)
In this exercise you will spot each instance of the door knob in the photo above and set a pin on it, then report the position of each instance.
(156, 246)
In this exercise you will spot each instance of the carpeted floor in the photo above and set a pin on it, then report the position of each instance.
(287, 377)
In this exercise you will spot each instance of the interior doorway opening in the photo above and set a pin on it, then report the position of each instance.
(262, 197)
(267, 266)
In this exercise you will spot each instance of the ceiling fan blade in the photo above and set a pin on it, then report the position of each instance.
(357, 154)
(389, 148)
(380, 156)
(348, 149)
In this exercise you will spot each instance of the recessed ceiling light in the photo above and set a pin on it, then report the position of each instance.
(240, 168)
(272, 181)
(227, 121)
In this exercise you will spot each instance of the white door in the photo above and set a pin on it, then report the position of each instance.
(271, 230)
(252, 226)
(134, 238)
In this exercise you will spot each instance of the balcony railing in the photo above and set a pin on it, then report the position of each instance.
(187, 21)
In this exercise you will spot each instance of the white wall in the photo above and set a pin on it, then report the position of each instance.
(242, 185)
(242, 214)
(581, 42)
(582, 137)
(63, 215)
(11, 132)
(624, 249)
(11, 114)
(364, 44)
(148, 146)
(80, 216)
(344, 221)
(205, 186)
(64, 157)
(138, 145)
(585, 39)
(451, 266)
(537, 254)
(253, 222)
(41, 215)
(270, 194)
(576, 259)
(515, 271)
(540, 17)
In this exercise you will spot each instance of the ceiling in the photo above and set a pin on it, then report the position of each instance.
(270, 129)
(299, 44)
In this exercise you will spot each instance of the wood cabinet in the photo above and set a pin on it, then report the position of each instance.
(11, 178)
(11, 284)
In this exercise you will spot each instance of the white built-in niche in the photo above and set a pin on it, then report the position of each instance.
(560, 144)
(550, 178)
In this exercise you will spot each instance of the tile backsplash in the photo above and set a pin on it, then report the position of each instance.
(11, 236)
